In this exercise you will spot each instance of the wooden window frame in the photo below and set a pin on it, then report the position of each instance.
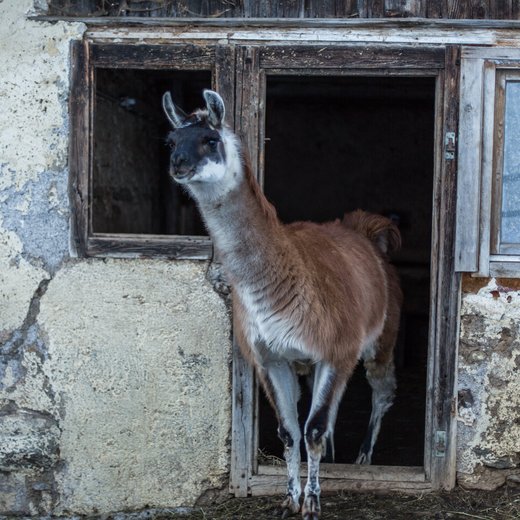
(253, 63)
(479, 201)
(86, 57)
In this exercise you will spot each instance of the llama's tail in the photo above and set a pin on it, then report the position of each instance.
(380, 230)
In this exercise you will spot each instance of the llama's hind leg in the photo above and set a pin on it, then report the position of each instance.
(281, 385)
(381, 376)
(328, 387)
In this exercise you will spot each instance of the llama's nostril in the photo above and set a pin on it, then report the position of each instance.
(179, 159)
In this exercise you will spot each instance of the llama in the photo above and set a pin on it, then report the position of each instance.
(308, 298)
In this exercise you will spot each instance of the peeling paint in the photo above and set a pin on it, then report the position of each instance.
(39, 216)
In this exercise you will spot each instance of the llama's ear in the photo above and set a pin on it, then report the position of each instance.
(174, 114)
(216, 109)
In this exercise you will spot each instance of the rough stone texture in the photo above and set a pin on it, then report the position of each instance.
(489, 386)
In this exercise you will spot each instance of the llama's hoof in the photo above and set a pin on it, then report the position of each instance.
(311, 508)
(363, 458)
(289, 507)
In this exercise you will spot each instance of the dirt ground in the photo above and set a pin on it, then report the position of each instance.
(503, 504)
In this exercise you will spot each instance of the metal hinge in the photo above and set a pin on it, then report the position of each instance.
(439, 448)
(450, 144)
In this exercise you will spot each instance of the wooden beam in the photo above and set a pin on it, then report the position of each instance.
(149, 246)
(80, 139)
(356, 472)
(469, 161)
(443, 350)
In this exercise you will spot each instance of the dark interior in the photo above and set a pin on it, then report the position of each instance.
(131, 189)
(335, 144)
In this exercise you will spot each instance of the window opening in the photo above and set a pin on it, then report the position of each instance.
(335, 144)
(132, 193)
(510, 182)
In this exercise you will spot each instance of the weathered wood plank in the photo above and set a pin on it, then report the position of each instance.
(448, 9)
(486, 188)
(515, 9)
(435, 9)
(506, 54)
(262, 485)
(242, 438)
(80, 138)
(505, 269)
(224, 79)
(469, 159)
(501, 9)
(147, 246)
(405, 9)
(356, 472)
(443, 352)
(366, 57)
(248, 101)
(148, 56)
(457, 9)
(274, 8)
(243, 453)
(332, 9)
(375, 8)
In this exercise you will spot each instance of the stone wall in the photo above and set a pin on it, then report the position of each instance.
(114, 375)
(489, 383)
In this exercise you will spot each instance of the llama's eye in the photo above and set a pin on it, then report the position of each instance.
(212, 143)
(172, 145)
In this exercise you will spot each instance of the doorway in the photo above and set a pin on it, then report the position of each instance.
(335, 144)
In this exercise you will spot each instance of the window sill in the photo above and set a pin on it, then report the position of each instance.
(149, 246)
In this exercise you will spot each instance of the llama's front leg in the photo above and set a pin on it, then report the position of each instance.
(281, 385)
(327, 390)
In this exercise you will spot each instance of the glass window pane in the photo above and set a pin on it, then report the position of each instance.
(510, 227)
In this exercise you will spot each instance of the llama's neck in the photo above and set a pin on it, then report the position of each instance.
(242, 223)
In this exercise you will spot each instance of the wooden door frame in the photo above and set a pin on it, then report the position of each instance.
(442, 62)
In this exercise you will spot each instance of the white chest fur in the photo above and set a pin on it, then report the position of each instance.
(278, 333)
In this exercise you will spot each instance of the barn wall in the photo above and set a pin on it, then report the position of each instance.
(489, 383)
(114, 375)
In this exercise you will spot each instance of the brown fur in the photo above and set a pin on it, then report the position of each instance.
(338, 284)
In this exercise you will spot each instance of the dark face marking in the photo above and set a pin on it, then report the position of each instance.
(193, 146)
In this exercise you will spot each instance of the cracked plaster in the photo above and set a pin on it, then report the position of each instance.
(139, 356)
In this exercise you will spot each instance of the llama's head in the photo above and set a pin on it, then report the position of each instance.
(204, 150)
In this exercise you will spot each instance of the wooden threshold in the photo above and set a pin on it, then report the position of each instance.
(272, 480)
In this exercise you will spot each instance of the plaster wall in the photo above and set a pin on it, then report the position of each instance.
(114, 375)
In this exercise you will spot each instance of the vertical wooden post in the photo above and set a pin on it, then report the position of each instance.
(80, 109)
(441, 450)
(244, 434)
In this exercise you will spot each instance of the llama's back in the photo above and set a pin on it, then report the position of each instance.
(386, 236)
